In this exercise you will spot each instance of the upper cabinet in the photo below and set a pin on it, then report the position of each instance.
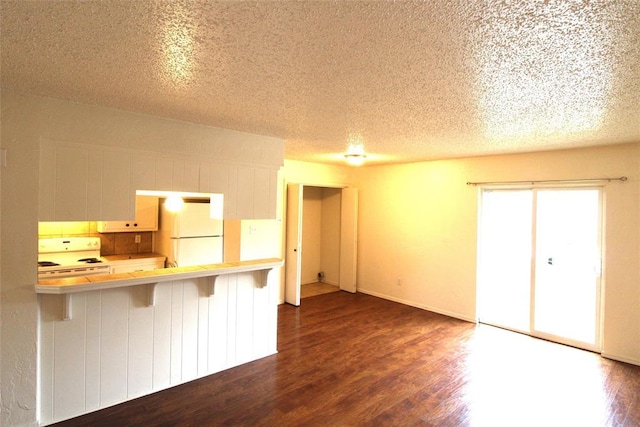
(83, 182)
(146, 218)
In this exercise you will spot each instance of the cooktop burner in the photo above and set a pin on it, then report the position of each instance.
(90, 260)
(47, 264)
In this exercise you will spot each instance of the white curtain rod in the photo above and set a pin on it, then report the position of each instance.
(551, 181)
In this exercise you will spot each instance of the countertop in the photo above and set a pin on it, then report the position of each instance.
(107, 281)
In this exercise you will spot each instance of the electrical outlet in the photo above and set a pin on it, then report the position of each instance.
(253, 229)
(399, 282)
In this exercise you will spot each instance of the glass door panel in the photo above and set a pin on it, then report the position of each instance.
(567, 264)
(504, 274)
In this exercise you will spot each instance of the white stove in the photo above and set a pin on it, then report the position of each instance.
(70, 257)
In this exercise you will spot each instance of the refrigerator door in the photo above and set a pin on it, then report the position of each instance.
(194, 220)
(197, 251)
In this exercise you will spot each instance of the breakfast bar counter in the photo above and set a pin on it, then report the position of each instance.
(71, 285)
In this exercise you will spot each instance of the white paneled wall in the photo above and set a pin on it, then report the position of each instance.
(117, 347)
(82, 182)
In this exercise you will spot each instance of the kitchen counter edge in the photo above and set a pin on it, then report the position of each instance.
(109, 281)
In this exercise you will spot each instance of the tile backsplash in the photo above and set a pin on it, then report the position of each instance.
(125, 243)
(111, 243)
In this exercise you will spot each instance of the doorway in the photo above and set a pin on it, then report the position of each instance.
(539, 263)
(321, 232)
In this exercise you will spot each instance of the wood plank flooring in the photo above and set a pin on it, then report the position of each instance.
(318, 288)
(353, 359)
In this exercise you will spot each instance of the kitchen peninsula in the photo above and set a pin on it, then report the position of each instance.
(70, 285)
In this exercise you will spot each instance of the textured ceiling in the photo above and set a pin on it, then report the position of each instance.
(412, 80)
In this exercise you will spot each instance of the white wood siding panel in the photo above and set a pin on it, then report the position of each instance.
(69, 362)
(177, 289)
(116, 347)
(274, 183)
(86, 182)
(261, 194)
(191, 176)
(93, 326)
(164, 174)
(231, 199)
(118, 199)
(232, 298)
(177, 173)
(261, 309)
(219, 178)
(140, 345)
(245, 193)
(244, 320)
(190, 330)
(113, 349)
(72, 166)
(204, 171)
(218, 326)
(94, 185)
(50, 309)
(203, 329)
(162, 336)
(47, 183)
(143, 172)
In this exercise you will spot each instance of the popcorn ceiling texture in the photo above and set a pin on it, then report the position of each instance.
(417, 80)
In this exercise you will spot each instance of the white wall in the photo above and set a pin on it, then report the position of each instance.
(418, 223)
(26, 122)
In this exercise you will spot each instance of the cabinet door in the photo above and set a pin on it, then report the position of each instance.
(146, 218)
(147, 213)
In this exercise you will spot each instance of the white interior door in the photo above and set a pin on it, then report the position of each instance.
(348, 239)
(293, 257)
(539, 263)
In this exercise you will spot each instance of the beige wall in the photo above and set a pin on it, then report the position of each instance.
(27, 121)
(320, 234)
(418, 223)
(311, 234)
(330, 239)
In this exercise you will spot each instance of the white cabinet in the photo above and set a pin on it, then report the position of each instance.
(82, 182)
(120, 264)
(146, 218)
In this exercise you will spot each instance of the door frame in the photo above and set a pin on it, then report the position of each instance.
(348, 246)
(600, 284)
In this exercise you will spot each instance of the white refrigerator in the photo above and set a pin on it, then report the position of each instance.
(191, 236)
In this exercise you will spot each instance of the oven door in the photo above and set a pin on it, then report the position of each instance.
(63, 272)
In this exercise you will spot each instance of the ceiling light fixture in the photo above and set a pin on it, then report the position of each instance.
(355, 150)
(174, 203)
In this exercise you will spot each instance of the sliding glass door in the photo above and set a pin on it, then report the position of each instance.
(504, 273)
(539, 263)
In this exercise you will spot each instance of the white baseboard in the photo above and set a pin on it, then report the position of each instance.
(421, 306)
(326, 282)
(621, 358)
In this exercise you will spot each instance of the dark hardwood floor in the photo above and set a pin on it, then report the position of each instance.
(352, 359)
